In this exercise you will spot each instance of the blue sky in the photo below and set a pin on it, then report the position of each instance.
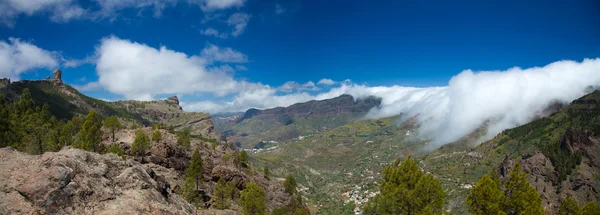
(261, 45)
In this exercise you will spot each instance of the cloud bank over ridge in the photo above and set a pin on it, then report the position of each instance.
(507, 98)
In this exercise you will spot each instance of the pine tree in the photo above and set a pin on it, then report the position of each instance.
(266, 172)
(156, 136)
(141, 143)
(407, 190)
(113, 125)
(486, 197)
(115, 149)
(569, 207)
(220, 196)
(253, 200)
(591, 208)
(68, 134)
(243, 159)
(290, 184)
(90, 135)
(183, 138)
(521, 197)
(25, 103)
(234, 193)
(5, 124)
(193, 178)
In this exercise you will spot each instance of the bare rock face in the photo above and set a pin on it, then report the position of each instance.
(57, 76)
(73, 181)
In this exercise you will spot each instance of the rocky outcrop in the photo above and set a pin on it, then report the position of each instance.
(58, 76)
(73, 181)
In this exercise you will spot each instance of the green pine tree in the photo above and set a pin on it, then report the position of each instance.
(569, 207)
(243, 159)
(156, 136)
(591, 208)
(193, 178)
(407, 190)
(266, 172)
(113, 125)
(220, 197)
(290, 184)
(115, 149)
(141, 143)
(90, 135)
(68, 134)
(183, 138)
(253, 200)
(521, 197)
(486, 197)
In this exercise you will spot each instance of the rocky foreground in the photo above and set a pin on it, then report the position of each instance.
(74, 181)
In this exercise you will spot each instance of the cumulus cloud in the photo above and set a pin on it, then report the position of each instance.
(211, 5)
(227, 55)
(294, 86)
(279, 9)
(239, 21)
(326, 81)
(59, 10)
(213, 32)
(504, 99)
(67, 10)
(138, 71)
(17, 57)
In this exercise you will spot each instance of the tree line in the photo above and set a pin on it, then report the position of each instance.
(407, 190)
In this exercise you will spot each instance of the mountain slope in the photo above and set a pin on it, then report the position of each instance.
(559, 152)
(286, 123)
(66, 102)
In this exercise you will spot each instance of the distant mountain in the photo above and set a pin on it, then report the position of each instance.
(66, 102)
(286, 123)
(560, 153)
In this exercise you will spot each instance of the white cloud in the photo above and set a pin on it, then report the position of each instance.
(294, 86)
(213, 32)
(326, 81)
(67, 10)
(211, 5)
(279, 9)
(227, 55)
(505, 98)
(110, 8)
(59, 10)
(240, 68)
(138, 71)
(17, 57)
(239, 21)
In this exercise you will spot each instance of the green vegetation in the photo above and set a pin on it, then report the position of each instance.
(521, 197)
(243, 159)
(90, 134)
(290, 184)
(113, 124)
(115, 149)
(183, 138)
(518, 197)
(156, 136)
(295, 207)
(569, 207)
(266, 172)
(141, 143)
(487, 197)
(407, 190)
(193, 178)
(221, 197)
(252, 200)
(591, 208)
